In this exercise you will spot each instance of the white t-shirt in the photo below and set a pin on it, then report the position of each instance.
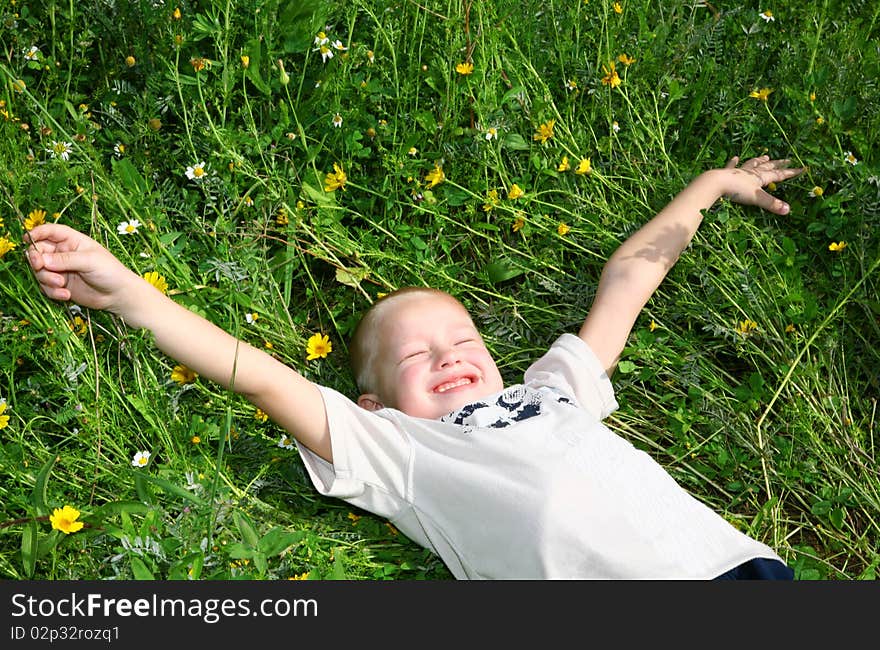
(528, 483)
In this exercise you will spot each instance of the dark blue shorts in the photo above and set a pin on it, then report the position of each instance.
(759, 569)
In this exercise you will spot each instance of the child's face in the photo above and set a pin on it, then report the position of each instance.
(432, 358)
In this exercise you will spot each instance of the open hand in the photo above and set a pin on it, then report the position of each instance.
(745, 183)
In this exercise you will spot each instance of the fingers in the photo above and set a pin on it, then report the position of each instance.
(733, 162)
(771, 203)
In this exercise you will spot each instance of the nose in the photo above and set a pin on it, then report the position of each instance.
(447, 357)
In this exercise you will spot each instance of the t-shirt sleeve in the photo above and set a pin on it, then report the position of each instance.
(370, 457)
(572, 367)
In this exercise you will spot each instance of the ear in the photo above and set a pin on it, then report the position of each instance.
(370, 402)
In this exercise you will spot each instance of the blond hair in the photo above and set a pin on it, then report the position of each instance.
(365, 348)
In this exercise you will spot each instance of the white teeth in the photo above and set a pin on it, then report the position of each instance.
(442, 388)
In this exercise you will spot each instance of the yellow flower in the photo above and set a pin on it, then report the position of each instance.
(812, 97)
(817, 191)
(353, 517)
(625, 60)
(611, 77)
(198, 63)
(491, 200)
(761, 94)
(281, 218)
(130, 61)
(300, 576)
(78, 325)
(335, 180)
(4, 419)
(563, 229)
(156, 280)
(245, 61)
(837, 246)
(183, 375)
(176, 13)
(617, 8)
(318, 346)
(195, 439)
(6, 245)
(515, 192)
(564, 166)
(584, 166)
(35, 218)
(465, 68)
(747, 326)
(544, 132)
(652, 325)
(435, 176)
(260, 415)
(790, 329)
(65, 520)
(518, 224)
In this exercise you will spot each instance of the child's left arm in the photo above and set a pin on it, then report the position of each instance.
(638, 266)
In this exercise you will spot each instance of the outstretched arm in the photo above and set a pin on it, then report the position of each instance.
(638, 266)
(71, 266)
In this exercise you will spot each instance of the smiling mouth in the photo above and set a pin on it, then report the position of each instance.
(449, 385)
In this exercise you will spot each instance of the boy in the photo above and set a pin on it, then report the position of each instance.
(520, 482)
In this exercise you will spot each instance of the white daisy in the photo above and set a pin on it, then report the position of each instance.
(850, 158)
(140, 459)
(767, 16)
(337, 120)
(196, 172)
(326, 53)
(491, 133)
(128, 227)
(251, 318)
(60, 149)
(32, 53)
(286, 442)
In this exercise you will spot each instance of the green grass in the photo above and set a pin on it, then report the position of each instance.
(774, 426)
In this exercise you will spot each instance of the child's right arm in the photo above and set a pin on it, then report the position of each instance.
(71, 266)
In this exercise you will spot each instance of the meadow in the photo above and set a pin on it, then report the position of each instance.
(276, 166)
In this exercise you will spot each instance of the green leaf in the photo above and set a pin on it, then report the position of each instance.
(238, 551)
(626, 367)
(352, 276)
(260, 562)
(169, 487)
(338, 572)
(38, 495)
(837, 515)
(299, 21)
(143, 490)
(246, 528)
(278, 540)
(29, 548)
(515, 141)
(254, 50)
(319, 196)
(501, 271)
(130, 177)
(140, 570)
